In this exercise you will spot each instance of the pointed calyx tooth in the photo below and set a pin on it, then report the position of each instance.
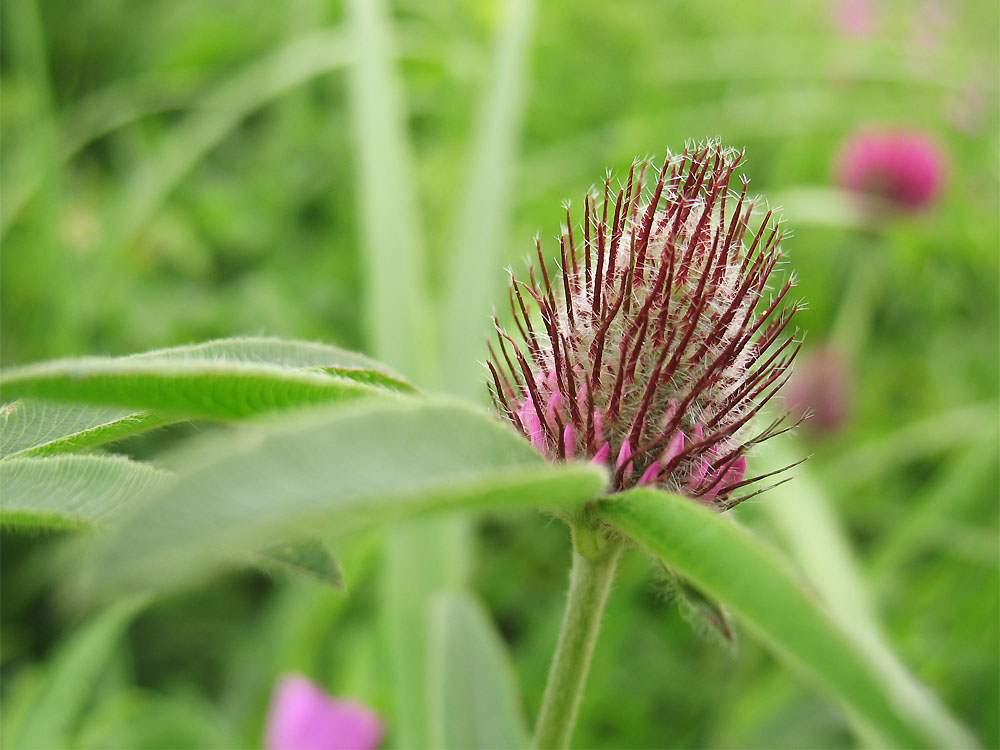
(660, 334)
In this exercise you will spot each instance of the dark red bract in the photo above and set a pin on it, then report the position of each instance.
(659, 339)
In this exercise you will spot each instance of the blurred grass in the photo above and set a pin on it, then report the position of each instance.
(141, 207)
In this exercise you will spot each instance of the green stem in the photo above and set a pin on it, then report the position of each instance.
(852, 326)
(595, 558)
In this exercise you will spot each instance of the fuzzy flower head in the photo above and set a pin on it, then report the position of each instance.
(661, 335)
(904, 169)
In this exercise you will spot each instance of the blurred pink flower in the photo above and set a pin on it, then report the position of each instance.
(904, 168)
(855, 17)
(304, 717)
(822, 390)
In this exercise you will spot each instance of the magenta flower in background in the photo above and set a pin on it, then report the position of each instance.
(904, 168)
(822, 391)
(304, 717)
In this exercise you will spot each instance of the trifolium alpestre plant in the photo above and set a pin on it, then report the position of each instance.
(651, 349)
(661, 335)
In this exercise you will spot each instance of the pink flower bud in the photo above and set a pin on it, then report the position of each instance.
(663, 319)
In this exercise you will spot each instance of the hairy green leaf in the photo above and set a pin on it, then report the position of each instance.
(707, 617)
(223, 368)
(805, 516)
(31, 428)
(190, 388)
(474, 699)
(332, 470)
(293, 355)
(738, 570)
(70, 491)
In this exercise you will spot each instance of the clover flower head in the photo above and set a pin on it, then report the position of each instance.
(904, 168)
(660, 336)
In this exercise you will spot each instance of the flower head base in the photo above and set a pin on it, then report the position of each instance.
(660, 338)
(905, 169)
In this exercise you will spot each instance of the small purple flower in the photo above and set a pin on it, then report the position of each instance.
(904, 168)
(304, 717)
(821, 390)
(660, 336)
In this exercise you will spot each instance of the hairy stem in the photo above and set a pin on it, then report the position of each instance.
(595, 558)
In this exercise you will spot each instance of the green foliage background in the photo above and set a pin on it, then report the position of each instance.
(127, 226)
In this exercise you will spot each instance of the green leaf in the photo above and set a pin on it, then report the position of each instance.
(738, 570)
(806, 519)
(707, 617)
(329, 471)
(310, 557)
(293, 355)
(70, 491)
(474, 699)
(32, 428)
(222, 389)
(69, 680)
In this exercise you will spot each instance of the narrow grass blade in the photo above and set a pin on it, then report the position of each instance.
(70, 676)
(484, 206)
(475, 703)
(927, 437)
(421, 558)
(734, 567)
(70, 491)
(395, 267)
(327, 472)
(213, 116)
(962, 482)
(397, 311)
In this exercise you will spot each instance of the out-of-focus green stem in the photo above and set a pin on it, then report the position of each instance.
(595, 559)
